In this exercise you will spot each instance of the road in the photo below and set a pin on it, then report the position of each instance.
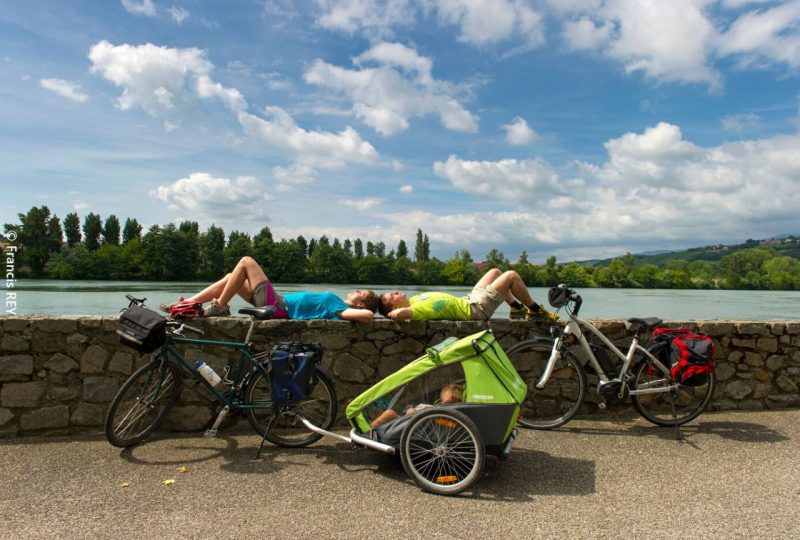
(735, 475)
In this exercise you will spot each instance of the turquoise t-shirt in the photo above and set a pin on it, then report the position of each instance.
(307, 305)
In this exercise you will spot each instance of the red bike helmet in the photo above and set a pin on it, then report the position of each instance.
(186, 309)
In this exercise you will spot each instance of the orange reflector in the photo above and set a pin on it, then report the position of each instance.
(446, 423)
(445, 479)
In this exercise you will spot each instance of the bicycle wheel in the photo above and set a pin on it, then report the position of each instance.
(562, 396)
(678, 405)
(286, 429)
(143, 402)
(442, 450)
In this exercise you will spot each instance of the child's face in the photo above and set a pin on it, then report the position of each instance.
(448, 396)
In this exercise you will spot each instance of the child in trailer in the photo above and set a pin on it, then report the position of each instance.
(451, 393)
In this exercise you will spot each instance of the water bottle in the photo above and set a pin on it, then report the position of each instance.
(208, 373)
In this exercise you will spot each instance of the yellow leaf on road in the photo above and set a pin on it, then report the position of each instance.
(183, 470)
(168, 482)
(126, 484)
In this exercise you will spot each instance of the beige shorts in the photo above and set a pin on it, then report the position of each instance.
(483, 302)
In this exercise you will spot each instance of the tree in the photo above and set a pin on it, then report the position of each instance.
(348, 247)
(358, 249)
(211, 257)
(262, 249)
(455, 269)
(111, 231)
(55, 235)
(239, 245)
(92, 228)
(72, 229)
(131, 231)
(496, 259)
(380, 250)
(37, 238)
(402, 249)
(422, 248)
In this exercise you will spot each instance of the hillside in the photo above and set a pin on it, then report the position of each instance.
(786, 245)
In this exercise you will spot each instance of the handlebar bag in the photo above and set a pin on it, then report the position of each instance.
(141, 329)
(292, 370)
(691, 355)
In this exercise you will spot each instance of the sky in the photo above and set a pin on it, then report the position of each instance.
(576, 128)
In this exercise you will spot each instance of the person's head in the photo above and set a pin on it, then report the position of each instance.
(451, 393)
(392, 300)
(363, 300)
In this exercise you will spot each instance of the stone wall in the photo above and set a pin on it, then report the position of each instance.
(58, 375)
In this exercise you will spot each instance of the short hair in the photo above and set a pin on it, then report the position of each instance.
(455, 390)
(371, 301)
(385, 306)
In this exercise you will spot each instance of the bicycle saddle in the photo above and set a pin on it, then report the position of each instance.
(260, 313)
(635, 324)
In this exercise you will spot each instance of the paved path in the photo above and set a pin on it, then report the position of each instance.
(735, 476)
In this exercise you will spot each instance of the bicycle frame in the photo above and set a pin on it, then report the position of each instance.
(575, 327)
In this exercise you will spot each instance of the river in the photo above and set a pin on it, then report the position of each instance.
(53, 297)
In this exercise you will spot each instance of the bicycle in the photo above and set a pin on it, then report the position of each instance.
(558, 384)
(145, 399)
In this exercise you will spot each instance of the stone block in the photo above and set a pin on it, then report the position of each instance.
(59, 393)
(778, 328)
(89, 322)
(48, 343)
(333, 342)
(121, 362)
(20, 325)
(743, 343)
(754, 359)
(786, 384)
(781, 401)
(77, 339)
(61, 363)
(15, 364)
(776, 362)
(768, 344)
(88, 414)
(27, 394)
(64, 326)
(12, 343)
(365, 349)
(762, 390)
(736, 357)
(752, 328)
(792, 327)
(94, 359)
(763, 374)
(409, 346)
(738, 389)
(45, 418)
(349, 368)
(187, 418)
(5, 416)
(99, 389)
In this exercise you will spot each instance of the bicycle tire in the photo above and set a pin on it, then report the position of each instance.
(442, 450)
(286, 430)
(563, 395)
(142, 403)
(689, 401)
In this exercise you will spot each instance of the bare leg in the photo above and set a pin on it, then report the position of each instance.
(489, 277)
(211, 292)
(245, 275)
(510, 285)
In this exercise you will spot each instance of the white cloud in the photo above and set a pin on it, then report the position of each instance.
(362, 205)
(654, 188)
(399, 88)
(371, 15)
(486, 22)
(519, 133)
(406, 189)
(584, 34)
(297, 174)
(64, 89)
(205, 197)
(771, 35)
(178, 14)
(507, 179)
(312, 148)
(140, 7)
(739, 123)
(159, 79)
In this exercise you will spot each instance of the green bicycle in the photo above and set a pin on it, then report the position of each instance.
(145, 399)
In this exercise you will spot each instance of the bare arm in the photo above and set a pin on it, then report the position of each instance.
(358, 315)
(401, 314)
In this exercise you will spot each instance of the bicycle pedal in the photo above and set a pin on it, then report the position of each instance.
(601, 405)
(210, 433)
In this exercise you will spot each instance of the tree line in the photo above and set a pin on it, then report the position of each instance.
(107, 249)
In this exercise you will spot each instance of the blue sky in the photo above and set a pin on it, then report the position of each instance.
(575, 128)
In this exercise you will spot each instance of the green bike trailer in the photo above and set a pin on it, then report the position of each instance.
(443, 447)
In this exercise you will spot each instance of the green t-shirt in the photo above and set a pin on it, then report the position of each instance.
(439, 305)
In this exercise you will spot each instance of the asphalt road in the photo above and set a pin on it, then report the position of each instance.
(735, 475)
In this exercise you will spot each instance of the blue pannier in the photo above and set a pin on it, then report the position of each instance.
(292, 370)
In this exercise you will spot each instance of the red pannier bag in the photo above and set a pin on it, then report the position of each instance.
(691, 354)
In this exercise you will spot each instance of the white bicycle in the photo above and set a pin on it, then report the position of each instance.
(553, 368)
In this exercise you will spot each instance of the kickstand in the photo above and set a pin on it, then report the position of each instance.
(264, 438)
(678, 434)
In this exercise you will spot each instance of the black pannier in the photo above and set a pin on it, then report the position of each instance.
(292, 370)
(690, 355)
(141, 329)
